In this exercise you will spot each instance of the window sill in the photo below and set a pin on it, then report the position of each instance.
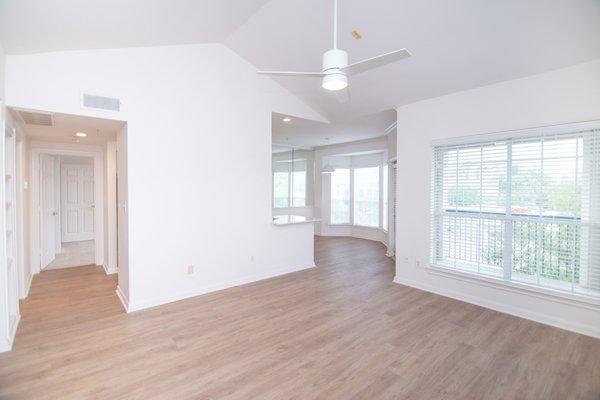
(355, 226)
(518, 287)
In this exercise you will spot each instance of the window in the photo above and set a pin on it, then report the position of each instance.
(340, 196)
(384, 209)
(290, 182)
(281, 186)
(525, 210)
(299, 188)
(366, 196)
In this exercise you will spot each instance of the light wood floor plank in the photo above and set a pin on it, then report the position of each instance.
(339, 331)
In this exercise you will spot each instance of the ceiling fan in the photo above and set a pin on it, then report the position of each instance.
(335, 63)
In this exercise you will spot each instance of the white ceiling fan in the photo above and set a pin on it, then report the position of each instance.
(335, 63)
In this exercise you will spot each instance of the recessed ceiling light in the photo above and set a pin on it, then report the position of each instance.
(287, 119)
(81, 134)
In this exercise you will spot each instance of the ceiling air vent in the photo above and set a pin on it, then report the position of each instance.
(101, 102)
(36, 118)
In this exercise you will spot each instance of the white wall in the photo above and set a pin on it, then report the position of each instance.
(185, 107)
(57, 206)
(5, 342)
(110, 207)
(566, 95)
(122, 217)
(23, 214)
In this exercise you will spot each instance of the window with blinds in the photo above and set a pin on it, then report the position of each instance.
(524, 209)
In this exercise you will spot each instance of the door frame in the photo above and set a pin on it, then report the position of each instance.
(47, 164)
(66, 149)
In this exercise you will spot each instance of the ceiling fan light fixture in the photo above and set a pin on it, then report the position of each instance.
(335, 81)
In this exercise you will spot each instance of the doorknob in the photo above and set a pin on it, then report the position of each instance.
(54, 213)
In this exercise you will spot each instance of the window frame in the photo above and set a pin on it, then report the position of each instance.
(503, 282)
(350, 199)
(381, 202)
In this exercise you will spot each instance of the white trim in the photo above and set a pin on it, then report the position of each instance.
(505, 135)
(97, 152)
(108, 271)
(28, 286)
(210, 288)
(7, 344)
(124, 300)
(585, 329)
(519, 287)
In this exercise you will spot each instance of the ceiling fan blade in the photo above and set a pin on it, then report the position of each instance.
(291, 73)
(375, 62)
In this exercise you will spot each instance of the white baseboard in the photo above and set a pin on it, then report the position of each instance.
(109, 271)
(585, 329)
(27, 287)
(140, 305)
(7, 343)
(124, 300)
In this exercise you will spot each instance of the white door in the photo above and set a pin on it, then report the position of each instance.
(47, 209)
(77, 200)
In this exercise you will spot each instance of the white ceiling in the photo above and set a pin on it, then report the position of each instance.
(308, 133)
(31, 26)
(456, 45)
(99, 130)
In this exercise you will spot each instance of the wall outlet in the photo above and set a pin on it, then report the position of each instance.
(417, 263)
(190, 269)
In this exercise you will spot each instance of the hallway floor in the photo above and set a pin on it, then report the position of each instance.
(342, 330)
(74, 254)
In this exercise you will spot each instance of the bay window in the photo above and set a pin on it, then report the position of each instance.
(292, 178)
(357, 187)
(366, 196)
(340, 196)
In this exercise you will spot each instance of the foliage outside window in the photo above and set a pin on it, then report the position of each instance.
(523, 209)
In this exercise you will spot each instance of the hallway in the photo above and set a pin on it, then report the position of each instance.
(74, 254)
(342, 330)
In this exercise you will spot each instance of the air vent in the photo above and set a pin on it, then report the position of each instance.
(36, 118)
(101, 102)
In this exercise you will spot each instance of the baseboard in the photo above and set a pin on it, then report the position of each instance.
(356, 236)
(6, 344)
(124, 300)
(208, 289)
(27, 287)
(589, 330)
(109, 271)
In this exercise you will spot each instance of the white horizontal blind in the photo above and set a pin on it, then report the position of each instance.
(525, 209)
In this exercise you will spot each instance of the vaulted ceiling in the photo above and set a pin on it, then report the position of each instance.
(33, 26)
(456, 44)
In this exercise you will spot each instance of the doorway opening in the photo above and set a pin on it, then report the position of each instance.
(74, 205)
(67, 206)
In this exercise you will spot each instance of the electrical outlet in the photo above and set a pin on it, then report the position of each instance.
(417, 263)
(190, 269)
